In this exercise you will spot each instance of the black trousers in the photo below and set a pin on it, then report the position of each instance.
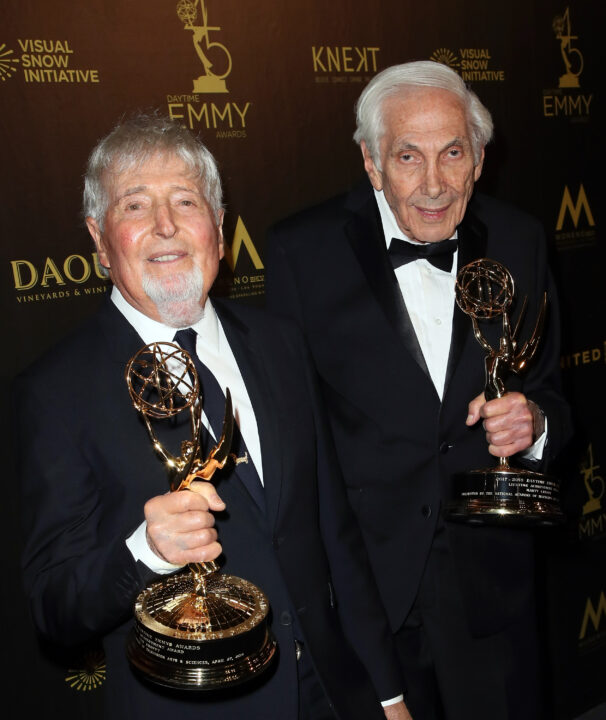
(451, 675)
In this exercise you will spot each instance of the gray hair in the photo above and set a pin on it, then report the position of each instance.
(133, 142)
(410, 76)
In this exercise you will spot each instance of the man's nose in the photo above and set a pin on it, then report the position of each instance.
(164, 222)
(433, 182)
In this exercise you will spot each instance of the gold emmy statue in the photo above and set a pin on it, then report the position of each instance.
(484, 291)
(592, 483)
(209, 53)
(197, 629)
(561, 27)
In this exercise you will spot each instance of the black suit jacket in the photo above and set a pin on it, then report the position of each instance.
(397, 444)
(87, 467)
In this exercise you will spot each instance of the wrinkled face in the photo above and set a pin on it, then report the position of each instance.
(159, 233)
(427, 162)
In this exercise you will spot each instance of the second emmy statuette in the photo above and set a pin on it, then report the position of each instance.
(503, 494)
(197, 629)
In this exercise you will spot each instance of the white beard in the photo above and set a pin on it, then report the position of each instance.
(177, 298)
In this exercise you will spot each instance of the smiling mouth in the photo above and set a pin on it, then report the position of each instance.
(169, 257)
(430, 214)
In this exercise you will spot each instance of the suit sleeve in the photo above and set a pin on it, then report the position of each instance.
(542, 383)
(80, 577)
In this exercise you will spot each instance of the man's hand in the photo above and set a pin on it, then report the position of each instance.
(512, 422)
(180, 525)
(397, 711)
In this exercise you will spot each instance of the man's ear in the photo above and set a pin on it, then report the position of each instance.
(97, 236)
(220, 231)
(477, 171)
(374, 175)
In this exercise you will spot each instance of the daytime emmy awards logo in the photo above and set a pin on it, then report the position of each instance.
(214, 56)
(572, 57)
(592, 524)
(594, 484)
(227, 118)
(566, 100)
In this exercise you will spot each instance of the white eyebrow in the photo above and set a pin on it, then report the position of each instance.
(143, 188)
(412, 146)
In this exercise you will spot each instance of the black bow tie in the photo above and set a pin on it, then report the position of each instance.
(439, 254)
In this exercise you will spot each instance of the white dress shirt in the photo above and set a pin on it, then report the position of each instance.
(429, 295)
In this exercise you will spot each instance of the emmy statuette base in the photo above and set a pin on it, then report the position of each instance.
(505, 496)
(189, 641)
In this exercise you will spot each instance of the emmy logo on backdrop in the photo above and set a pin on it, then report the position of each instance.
(594, 484)
(561, 27)
(197, 629)
(214, 56)
(484, 291)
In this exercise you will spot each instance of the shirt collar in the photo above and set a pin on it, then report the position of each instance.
(153, 331)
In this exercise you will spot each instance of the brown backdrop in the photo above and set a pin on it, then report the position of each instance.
(280, 124)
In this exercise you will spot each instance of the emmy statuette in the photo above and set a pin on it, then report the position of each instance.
(504, 495)
(197, 629)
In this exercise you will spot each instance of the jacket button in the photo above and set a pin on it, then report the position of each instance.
(426, 511)
(444, 447)
(285, 618)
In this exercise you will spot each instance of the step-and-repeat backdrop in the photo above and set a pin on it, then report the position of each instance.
(277, 112)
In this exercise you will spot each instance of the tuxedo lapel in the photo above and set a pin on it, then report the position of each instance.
(472, 236)
(252, 369)
(367, 241)
(121, 339)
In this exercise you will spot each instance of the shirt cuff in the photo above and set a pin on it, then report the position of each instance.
(140, 550)
(393, 701)
(535, 451)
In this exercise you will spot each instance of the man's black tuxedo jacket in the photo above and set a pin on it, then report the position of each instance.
(87, 468)
(397, 444)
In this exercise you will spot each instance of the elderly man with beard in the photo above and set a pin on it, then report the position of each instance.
(370, 278)
(100, 524)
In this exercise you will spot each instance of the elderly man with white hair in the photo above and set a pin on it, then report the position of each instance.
(370, 278)
(100, 524)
